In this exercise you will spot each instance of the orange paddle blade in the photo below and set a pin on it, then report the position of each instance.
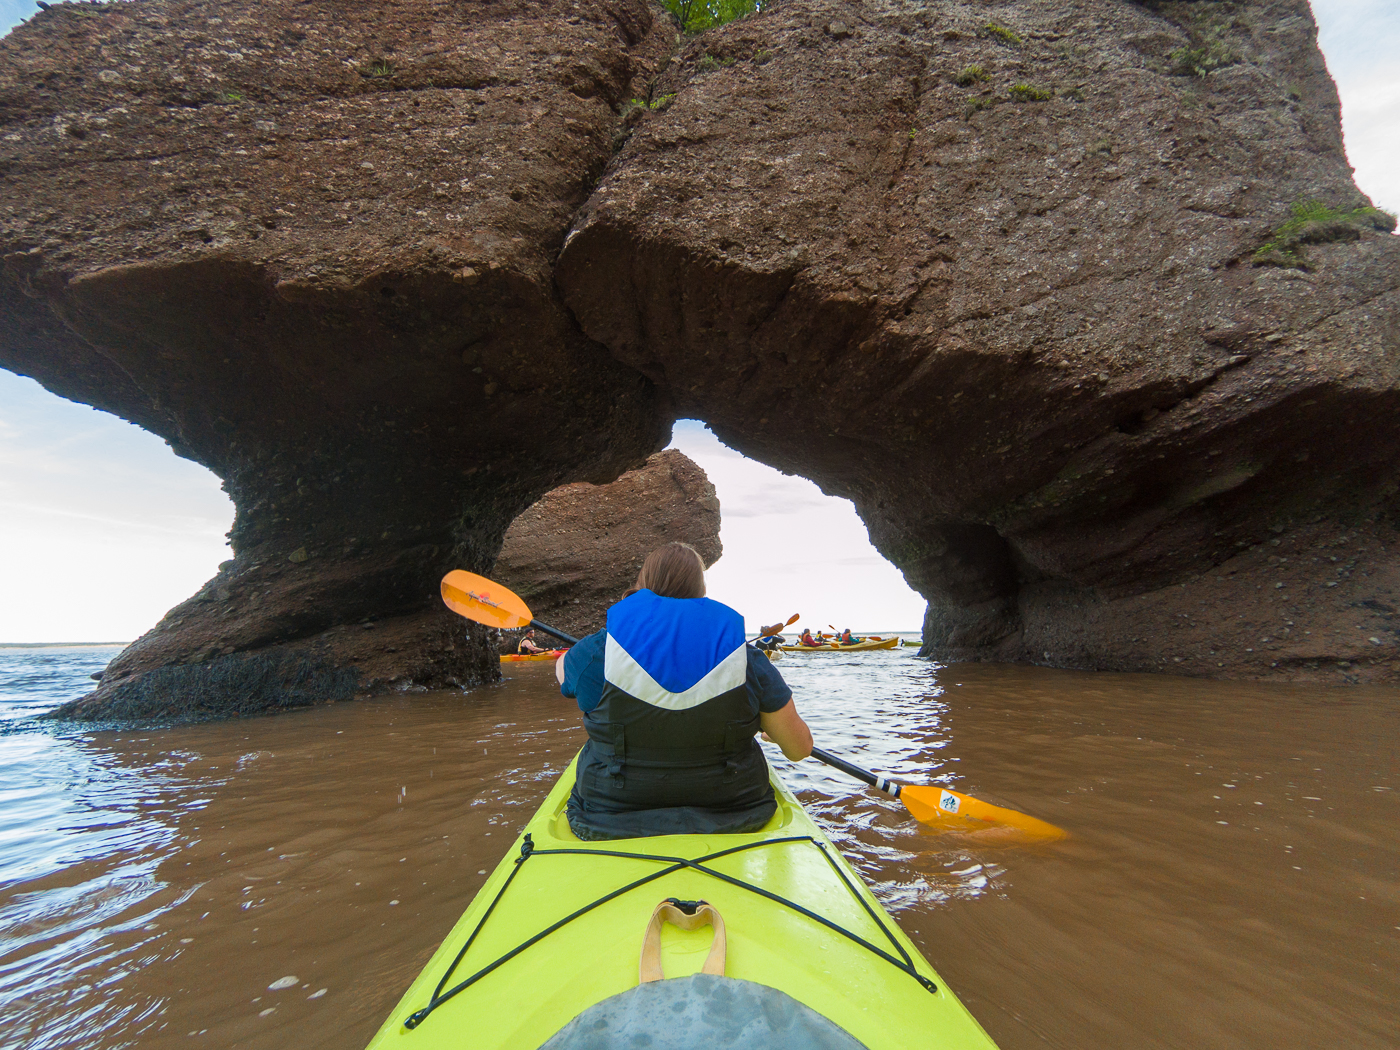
(954, 811)
(483, 600)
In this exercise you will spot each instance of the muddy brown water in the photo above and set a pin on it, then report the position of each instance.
(1231, 880)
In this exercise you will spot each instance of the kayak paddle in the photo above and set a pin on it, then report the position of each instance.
(950, 810)
(479, 599)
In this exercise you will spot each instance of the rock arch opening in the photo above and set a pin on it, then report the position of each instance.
(102, 527)
(791, 548)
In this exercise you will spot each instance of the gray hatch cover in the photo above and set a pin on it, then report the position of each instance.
(701, 1011)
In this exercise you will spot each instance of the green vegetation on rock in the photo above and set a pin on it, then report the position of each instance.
(1314, 222)
(654, 106)
(976, 103)
(1199, 61)
(1029, 93)
(1207, 27)
(710, 63)
(969, 75)
(698, 15)
(1006, 36)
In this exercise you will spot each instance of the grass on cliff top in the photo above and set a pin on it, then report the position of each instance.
(698, 15)
(1314, 222)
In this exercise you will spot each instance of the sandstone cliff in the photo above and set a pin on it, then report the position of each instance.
(1045, 289)
(578, 549)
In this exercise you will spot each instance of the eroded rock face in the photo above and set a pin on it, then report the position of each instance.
(991, 273)
(311, 245)
(578, 549)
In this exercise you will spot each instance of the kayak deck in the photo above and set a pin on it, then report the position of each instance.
(558, 926)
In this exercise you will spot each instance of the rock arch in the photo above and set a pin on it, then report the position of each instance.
(1057, 326)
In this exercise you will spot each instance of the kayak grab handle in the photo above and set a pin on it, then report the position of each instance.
(889, 787)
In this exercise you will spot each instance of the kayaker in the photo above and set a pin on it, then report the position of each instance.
(527, 644)
(807, 638)
(672, 697)
(847, 638)
(769, 638)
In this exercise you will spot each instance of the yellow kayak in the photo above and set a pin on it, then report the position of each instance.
(770, 939)
(833, 647)
(515, 658)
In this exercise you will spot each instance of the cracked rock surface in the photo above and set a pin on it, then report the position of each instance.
(992, 274)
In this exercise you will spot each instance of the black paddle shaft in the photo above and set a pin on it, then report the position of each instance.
(889, 787)
(550, 630)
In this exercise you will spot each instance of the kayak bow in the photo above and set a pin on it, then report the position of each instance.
(774, 918)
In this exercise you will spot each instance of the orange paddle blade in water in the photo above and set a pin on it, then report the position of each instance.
(954, 811)
(483, 600)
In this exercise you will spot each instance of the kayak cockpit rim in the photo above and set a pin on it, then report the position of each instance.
(903, 963)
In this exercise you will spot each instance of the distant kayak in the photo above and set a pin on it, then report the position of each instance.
(713, 941)
(833, 647)
(516, 658)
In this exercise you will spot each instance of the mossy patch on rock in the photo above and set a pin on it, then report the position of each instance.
(1029, 93)
(969, 75)
(1000, 32)
(1314, 222)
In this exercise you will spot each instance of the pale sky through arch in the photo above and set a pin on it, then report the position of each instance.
(103, 528)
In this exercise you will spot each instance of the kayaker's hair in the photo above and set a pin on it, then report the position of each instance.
(673, 571)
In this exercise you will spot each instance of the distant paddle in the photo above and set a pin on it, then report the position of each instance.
(485, 601)
(949, 810)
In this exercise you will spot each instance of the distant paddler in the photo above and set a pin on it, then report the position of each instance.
(770, 637)
(527, 646)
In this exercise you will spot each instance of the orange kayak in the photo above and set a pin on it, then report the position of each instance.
(516, 658)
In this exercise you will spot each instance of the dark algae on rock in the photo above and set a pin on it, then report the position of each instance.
(1077, 303)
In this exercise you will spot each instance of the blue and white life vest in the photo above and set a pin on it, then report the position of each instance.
(675, 726)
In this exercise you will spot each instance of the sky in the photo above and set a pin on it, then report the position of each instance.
(103, 528)
(770, 524)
